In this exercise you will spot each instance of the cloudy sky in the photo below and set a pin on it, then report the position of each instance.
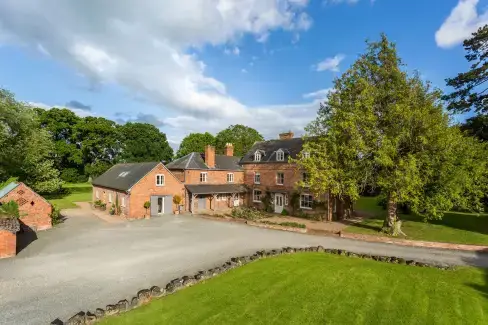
(201, 65)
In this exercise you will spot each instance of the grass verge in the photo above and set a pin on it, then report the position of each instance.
(74, 192)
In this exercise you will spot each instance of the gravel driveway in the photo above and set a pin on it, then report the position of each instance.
(87, 263)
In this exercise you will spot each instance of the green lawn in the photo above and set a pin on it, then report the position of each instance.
(75, 192)
(455, 227)
(318, 288)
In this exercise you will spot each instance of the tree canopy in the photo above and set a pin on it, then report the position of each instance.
(242, 137)
(477, 126)
(382, 127)
(470, 90)
(144, 142)
(194, 142)
(27, 149)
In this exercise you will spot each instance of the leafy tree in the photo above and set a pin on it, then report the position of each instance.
(470, 88)
(143, 142)
(26, 148)
(242, 137)
(194, 142)
(383, 127)
(477, 126)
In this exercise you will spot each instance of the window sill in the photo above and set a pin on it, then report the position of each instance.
(159, 185)
(280, 184)
(257, 201)
(306, 208)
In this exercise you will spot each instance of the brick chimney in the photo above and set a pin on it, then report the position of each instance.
(229, 149)
(210, 156)
(287, 135)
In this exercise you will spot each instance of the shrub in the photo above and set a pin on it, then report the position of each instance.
(285, 224)
(246, 213)
(147, 205)
(73, 175)
(112, 210)
(10, 210)
(285, 212)
(97, 203)
(55, 215)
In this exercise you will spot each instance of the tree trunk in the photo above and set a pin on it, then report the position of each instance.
(348, 210)
(330, 206)
(340, 208)
(392, 225)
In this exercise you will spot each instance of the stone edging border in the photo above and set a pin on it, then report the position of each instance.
(277, 227)
(413, 243)
(146, 295)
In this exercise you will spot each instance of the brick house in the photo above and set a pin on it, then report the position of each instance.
(35, 211)
(131, 185)
(268, 172)
(212, 182)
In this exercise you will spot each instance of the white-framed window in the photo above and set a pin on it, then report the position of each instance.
(110, 197)
(256, 195)
(230, 178)
(305, 154)
(122, 202)
(280, 178)
(305, 178)
(203, 177)
(257, 178)
(222, 197)
(286, 199)
(306, 201)
(257, 156)
(159, 180)
(280, 155)
(97, 195)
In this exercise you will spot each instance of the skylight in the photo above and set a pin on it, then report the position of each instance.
(123, 174)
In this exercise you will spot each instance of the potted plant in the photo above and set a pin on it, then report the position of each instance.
(177, 201)
(147, 205)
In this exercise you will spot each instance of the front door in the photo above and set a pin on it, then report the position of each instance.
(202, 203)
(278, 203)
(160, 205)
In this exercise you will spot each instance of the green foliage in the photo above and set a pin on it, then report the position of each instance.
(27, 150)
(73, 175)
(242, 137)
(194, 142)
(285, 212)
(55, 216)
(100, 205)
(142, 142)
(9, 209)
(177, 199)
(246, 213)
(113, 210)
(147, 205)
(267, 202)
(468, 90)
(477, 126)
(285, 224)
(382, 127)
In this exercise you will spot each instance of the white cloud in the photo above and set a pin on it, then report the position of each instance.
(318, 95)
(77, 111)
(243, 70)
(234, 51)
(146, 46)
(461, 23)
(331, 64)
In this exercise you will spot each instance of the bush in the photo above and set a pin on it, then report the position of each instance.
(112, 210)
(73, 175)
(285, 212)
(285, 224)
(55, 216)
(246, 213)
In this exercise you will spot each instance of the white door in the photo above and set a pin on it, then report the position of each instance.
(278, 203)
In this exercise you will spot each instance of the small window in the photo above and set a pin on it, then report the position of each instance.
(306, 178)
(97, 195)
(110, 197)
(32, 203)
(160, 180)
(305, 154)
(257, 178)
(306, 201)
(257, 156)
(256, 196)
(286, 199)
(280, 178)
(122, 202)
(203, 177)
(280, 155)
(230, 178)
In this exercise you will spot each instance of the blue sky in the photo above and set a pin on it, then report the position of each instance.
(201, 65)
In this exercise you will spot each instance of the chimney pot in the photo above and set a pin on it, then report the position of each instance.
(287, 135)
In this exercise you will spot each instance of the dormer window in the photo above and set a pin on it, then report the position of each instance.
(280, 155)
(257, 156)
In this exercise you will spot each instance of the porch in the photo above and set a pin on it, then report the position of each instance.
(214, 197)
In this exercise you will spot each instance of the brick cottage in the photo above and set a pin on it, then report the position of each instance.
(131, 185)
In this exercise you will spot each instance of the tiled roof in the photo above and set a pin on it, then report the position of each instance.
(196, 160)
(216, 189)
(290, 147)
(124, 176)
(10, 186)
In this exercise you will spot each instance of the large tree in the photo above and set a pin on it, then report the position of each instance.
(470, 88)
(383, 127)
(143, 142)
(194, 142)
(477, 126)
(26, 148)
(242, 137)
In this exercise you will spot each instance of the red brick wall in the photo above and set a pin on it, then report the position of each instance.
(213, 176)
(104, 196)
(8, 244)
(35, 211)
(142, 191)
